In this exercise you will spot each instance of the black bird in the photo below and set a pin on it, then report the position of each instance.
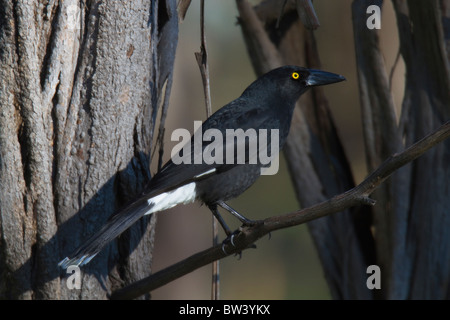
(268, 103)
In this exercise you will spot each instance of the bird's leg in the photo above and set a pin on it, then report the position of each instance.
(241, 218)
(229, 233)
(215, 212)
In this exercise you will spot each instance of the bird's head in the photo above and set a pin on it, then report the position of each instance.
(289, 82)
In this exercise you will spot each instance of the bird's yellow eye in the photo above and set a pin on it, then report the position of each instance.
(295, 75)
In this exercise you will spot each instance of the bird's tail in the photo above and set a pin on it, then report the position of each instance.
(112, 229)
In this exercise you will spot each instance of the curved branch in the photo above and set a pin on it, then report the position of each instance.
(359, 195)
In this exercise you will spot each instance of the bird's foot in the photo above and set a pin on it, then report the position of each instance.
(229, 240)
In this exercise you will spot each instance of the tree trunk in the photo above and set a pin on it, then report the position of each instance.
(81, 88)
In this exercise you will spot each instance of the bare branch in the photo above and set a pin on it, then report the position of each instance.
(202, 60)
(249, 234)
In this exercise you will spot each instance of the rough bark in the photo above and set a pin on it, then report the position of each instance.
(80, 92)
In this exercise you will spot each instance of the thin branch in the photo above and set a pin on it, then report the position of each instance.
(394, 66)
(249, 234)
(202, 60)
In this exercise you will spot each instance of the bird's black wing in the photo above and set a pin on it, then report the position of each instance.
(236, 114)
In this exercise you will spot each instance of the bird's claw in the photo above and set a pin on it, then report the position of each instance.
(229, 239)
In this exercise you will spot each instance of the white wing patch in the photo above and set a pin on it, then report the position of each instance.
(166, 200)
(205, 173)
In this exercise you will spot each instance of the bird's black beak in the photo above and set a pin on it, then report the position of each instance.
(320, 78)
